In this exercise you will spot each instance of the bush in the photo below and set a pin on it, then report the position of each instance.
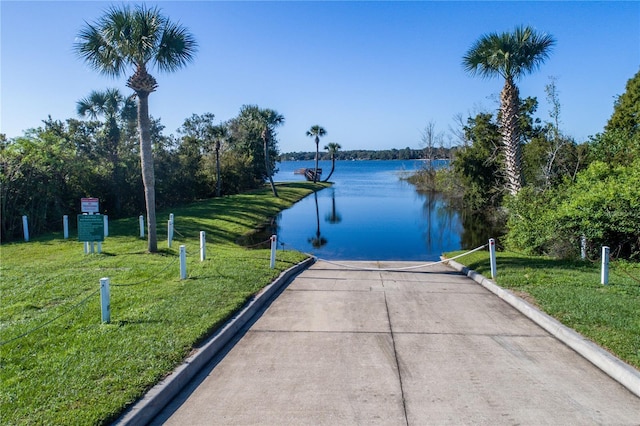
(603, 205)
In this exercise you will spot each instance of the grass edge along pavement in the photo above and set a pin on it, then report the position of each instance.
(75, 370)
(570, 292)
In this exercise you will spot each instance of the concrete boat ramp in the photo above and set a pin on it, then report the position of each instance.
(344, 346)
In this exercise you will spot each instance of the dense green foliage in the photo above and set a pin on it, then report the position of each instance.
(60, 365)
(571, 292)
(600, 200)
(45, 172)
(572, 190)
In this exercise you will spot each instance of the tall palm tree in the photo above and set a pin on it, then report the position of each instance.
(125, 39)
(316, 132)
(270, 120)
(511, 56)
(113, 106)
(332, 147)
(220, 135)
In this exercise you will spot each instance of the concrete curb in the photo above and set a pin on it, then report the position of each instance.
(617, 369)
(161, 394)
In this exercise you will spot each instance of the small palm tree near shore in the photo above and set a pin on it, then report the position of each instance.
(511, 56)
(113, 106)
(126, 39)
(316, 132)
(332, 147)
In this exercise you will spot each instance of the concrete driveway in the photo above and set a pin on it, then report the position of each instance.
(342, 346)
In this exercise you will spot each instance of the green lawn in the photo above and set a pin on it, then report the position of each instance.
(570, 291)
(61, 365)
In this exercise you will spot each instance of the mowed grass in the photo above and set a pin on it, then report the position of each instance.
(62, 365)
(570, 291)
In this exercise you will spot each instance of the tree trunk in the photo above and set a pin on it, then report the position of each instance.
(510, 131)
(146, 163)
(218, 187)
(333, 167)
(315, 173)
(265, 140)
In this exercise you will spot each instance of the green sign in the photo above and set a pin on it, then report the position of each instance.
(90, 227)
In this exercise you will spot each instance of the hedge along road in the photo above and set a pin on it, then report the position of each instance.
(349, 346)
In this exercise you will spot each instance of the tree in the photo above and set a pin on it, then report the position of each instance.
(316, 132)
(333, 148)
(626, 110)
(126, 38)
(220, 135)
(269, 119)
(511, 56)
(113, 106)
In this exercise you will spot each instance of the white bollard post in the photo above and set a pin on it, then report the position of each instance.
(169, 232)
(604, 276)
(492, 257)
(183, 263)
(106, 225)
(65, 226)
(172, 224)
(203, 246)
(583, 247)
(105, 300)
(25, 228)
(86, 247)
(141, 220)
(274, 246)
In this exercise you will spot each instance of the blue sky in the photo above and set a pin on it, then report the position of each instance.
(373, 74)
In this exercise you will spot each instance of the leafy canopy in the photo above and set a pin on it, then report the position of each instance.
(510, 55)
(124, 38)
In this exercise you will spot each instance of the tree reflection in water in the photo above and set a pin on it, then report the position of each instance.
(333, 216)
(318, 240)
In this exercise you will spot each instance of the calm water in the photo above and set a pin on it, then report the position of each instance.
(368, 214)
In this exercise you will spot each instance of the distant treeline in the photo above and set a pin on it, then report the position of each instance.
(362, 154)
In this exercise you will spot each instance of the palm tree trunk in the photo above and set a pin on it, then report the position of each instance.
(146, 163)
(315, 173)
(509, 128)
(265, 140)
(333, 167)
(218, 169)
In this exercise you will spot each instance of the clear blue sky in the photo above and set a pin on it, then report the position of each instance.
(372, 73)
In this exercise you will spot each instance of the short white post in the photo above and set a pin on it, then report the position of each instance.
(106, 225)
(604, 276)
(583, 247)
(203, 246)
(274, 245)
(105, 302)
(86, 247)
(92, 247)
(141, 220)
(65, 226)
(99, 247)
(169, 232)
(25, 228)
(183, 263)
(172, 224)
(492, 257)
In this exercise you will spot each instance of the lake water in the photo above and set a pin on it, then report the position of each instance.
(368, 214)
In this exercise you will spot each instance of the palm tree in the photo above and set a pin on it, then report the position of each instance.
(113, 106)
(317, 132)
(264, 121)
(220, 134)
(125, 39)
(332, 147)
(270, 119)
(509, 55)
